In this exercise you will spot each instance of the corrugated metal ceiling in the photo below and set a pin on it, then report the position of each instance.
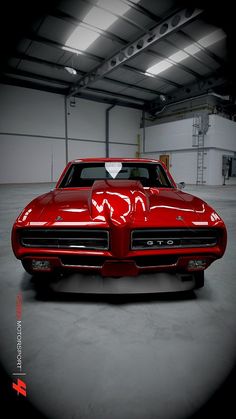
(35, 52)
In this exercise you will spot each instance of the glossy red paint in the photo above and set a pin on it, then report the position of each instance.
(119, 207)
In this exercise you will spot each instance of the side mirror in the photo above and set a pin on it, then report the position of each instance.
(181, 185)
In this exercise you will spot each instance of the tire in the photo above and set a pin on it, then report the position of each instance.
(26, 267)
(199, 279)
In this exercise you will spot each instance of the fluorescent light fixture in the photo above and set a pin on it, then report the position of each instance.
(163, 98)
(71, 70)
(102, 19)
(74, 50)
(191, 49)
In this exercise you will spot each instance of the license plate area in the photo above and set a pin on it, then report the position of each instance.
(119, 268)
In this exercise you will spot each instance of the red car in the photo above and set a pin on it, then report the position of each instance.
(120, 218)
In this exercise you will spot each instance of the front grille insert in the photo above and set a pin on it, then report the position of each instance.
(173, 238)
(65, 238)
(83, 261)
(155, 261)
(98, 261)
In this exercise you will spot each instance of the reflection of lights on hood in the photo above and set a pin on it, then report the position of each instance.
(200, 223)
(139, 199)
(38, 223)
(100, 208)
(74, 210)
(215, 217)
(26, 214)
(179, 209)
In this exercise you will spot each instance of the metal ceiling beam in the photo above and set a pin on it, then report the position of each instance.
(194, 57)
(25, 57)
(157, 19)
(166, 27)
(141, 9)
(153, 76)
(117, 95)
(58, 45)
(43, 40)
(124, 18)
(12, 81)
(133, 86)
(46, 79)
(75, 21)
(109, 35)
(178, 65)
(205, 50)
(191, 91)
(117, 102)
(23, 73)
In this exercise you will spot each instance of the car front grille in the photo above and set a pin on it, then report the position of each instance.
(98, 261)
(173, 238)
(90, 239)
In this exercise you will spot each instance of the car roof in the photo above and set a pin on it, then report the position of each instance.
(114, 159)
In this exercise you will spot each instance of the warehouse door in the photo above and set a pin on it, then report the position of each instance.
(165, 159)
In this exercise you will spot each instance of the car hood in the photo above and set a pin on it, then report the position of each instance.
(118, 203)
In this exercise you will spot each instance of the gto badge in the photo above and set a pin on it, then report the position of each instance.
(160, 243)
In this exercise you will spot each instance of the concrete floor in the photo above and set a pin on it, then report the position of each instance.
(121, 358)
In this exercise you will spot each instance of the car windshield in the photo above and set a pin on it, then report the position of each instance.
(85, 174)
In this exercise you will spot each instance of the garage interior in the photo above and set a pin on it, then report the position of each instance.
(120, 78)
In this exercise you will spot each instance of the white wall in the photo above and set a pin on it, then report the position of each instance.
(175, 139)
(169, 136)
(32, 133)
(28, 111)
(222, 133)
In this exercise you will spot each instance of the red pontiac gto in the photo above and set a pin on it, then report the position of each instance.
(119, 218)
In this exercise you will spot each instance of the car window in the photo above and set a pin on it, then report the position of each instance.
(85, 174)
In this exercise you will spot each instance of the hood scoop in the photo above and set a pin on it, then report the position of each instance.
(118, 201)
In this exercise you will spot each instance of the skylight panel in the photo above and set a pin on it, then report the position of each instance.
(191, 49)
(83, 37)
(115, 6)
(179, 56)
(99, 18)
(159, 67)
(212, 38)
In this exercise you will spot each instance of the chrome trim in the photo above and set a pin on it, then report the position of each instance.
(82, 266)
(156, 266)
(65, 239)
(173, 235)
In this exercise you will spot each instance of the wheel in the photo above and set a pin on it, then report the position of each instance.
(199, 279)
(26, 267)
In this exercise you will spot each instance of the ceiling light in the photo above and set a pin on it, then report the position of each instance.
(191, 49)
(163, 98)
(74, 50)
(71, 70)
(81, 38)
